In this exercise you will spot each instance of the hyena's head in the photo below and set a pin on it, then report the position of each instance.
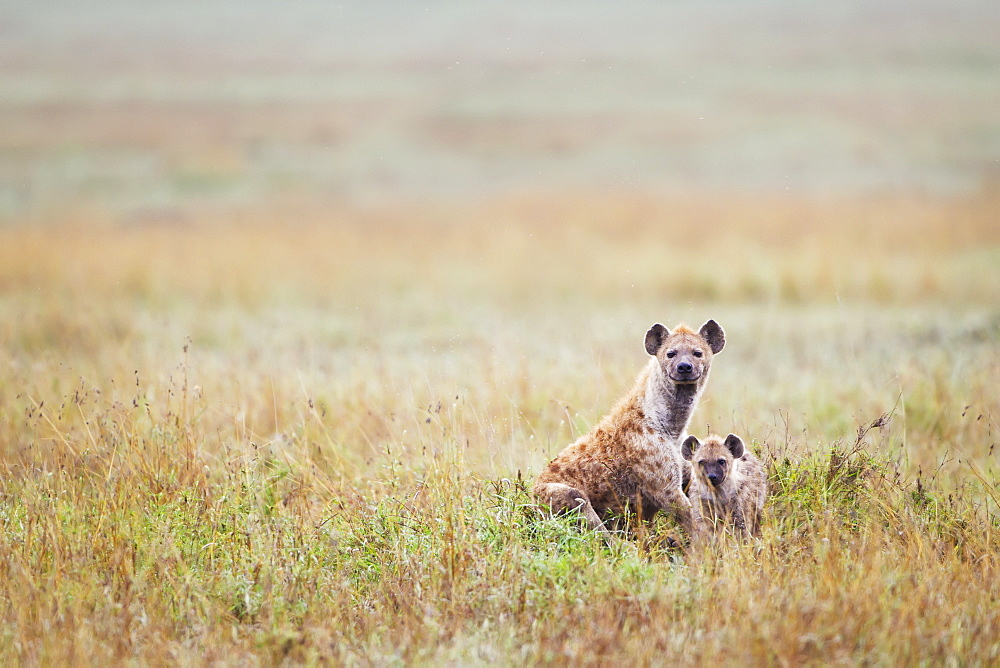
(712, 459)
(684, 354)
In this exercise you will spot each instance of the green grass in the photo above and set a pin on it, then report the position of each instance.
(294, 307)
(155, 556)
(232, 442)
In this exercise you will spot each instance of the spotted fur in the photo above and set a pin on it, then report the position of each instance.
(728, 485)
(630, 461)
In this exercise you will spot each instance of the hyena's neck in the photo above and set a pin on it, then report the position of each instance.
(721, 494)
(668, 406)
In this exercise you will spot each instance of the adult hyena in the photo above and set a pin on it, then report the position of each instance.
(631, 459)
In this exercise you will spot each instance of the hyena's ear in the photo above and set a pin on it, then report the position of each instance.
(735, 445)
(691, 443)
(712, 333)
(655, 337)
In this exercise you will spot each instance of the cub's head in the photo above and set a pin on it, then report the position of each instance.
(685, 355)
(712, 459)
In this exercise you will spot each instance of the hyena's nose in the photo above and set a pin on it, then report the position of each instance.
(684, 367)
(713, 478)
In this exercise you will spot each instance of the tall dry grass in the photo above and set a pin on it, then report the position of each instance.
(305, 433)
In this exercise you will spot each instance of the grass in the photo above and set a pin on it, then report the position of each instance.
(145, 553)
(306, 435)
(295, 304)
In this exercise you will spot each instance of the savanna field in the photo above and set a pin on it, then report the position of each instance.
(277, 375)
(260, 439)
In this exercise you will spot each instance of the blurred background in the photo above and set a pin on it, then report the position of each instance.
(347, 212)
(148, 109)
(291, 291)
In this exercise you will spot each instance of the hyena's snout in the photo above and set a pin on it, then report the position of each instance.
(686, 370)
(715, 473)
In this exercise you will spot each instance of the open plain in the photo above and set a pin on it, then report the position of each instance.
(288, 327)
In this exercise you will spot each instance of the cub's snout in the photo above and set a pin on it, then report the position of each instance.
(715, 471)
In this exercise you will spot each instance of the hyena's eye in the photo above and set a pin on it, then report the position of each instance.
(672, 353)
(697, 353)
(722, 462)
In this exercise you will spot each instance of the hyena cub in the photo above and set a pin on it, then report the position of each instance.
(728, 484)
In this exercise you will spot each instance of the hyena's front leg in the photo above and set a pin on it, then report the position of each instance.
(744, 526)
(674, 501)
(565, 499)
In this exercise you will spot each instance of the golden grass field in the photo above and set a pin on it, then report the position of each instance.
(296, 301)
(306, 434)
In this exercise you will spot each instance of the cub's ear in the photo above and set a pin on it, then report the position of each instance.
(655, 337)
(714, 335)
(735, 445)
(691, 443)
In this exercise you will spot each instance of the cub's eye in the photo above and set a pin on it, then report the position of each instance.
(672, 353)
(697, 353)
(722, 462)
(702, 463)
